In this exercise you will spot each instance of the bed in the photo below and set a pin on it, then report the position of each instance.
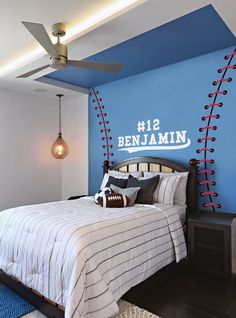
(82, 258)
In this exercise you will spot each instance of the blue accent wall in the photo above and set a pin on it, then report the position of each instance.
(176, 95)
(199, 32)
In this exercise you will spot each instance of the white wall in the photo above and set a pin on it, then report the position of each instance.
(75, 133)
(28, 172)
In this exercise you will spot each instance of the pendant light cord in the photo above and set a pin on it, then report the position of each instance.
(60, 115)
(60, 96)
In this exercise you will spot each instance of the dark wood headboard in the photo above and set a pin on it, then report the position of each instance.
(161, 165)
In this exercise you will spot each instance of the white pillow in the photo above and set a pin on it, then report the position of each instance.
(124, 175)
(104, 180)
(165, 190)
(180, 192)
(119, 175)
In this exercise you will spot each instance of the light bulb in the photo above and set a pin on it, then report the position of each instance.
(59, 148)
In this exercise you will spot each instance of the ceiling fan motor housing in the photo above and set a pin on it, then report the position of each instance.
(59, 62)
(58, 52)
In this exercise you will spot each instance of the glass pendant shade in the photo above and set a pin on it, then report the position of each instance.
(59, 148)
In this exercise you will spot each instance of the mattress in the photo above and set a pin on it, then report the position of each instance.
(85, 257)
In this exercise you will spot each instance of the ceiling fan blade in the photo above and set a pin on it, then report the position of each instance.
(100, 66)
(33, 72)
(40, 34)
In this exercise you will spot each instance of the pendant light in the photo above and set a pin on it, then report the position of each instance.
(59, 148)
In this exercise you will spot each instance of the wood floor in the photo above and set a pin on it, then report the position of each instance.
(179, 292)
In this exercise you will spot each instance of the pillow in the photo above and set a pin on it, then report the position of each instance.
(113, 200)
(165, 191)
(131, 193)
(98, 196)
(147, 186)
(121, 183)
(180, 193)
(125, 175)
(119, 175)
(104, 180)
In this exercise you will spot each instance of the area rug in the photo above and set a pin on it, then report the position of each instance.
(13, 306)
(127, 310)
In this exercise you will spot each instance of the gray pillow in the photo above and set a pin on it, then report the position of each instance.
(147, 187)
(131, 193)
(121, 183)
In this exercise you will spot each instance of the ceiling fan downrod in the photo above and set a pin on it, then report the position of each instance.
(59, 62)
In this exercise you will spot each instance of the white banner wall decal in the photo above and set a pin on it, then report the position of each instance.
(153, 140)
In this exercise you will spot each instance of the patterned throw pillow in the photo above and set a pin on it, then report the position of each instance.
(165, 190)
(113, 200)
(98, 196)
(180, 192)
(171, 188)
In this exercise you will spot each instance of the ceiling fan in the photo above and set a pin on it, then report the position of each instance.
(58, 52)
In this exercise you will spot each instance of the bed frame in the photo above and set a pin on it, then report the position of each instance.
(53, 310)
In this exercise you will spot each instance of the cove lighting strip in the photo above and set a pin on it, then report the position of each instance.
(111, 11)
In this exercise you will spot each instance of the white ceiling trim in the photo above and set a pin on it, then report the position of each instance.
(56, 83)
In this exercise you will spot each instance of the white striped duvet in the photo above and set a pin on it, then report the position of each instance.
(85, 257)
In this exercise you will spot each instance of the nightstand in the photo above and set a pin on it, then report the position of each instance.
(212, 242)
(77, 197)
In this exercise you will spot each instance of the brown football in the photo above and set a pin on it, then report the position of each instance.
(114, 200)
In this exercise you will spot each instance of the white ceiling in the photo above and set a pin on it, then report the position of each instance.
(17, 41)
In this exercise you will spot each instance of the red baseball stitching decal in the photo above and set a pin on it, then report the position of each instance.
(106, 138)
(207, 129)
